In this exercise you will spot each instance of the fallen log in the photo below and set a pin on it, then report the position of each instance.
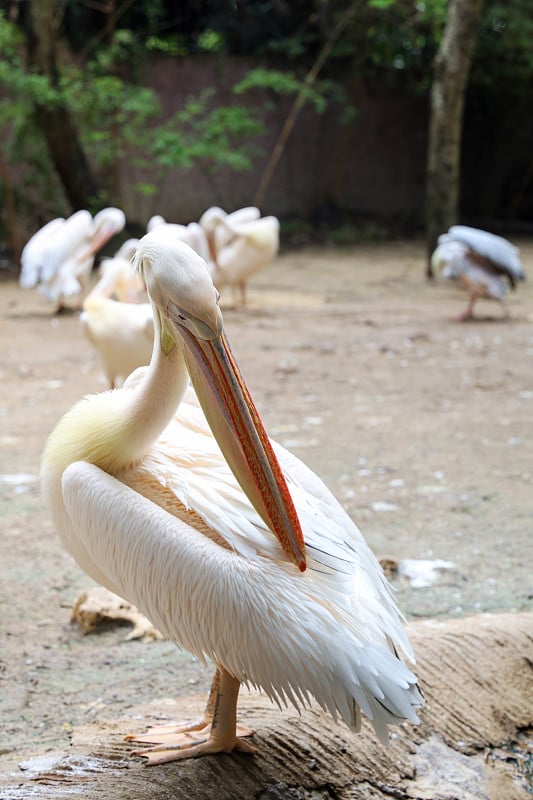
(471, 744)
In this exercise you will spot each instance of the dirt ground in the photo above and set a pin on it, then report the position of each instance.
(420, 425)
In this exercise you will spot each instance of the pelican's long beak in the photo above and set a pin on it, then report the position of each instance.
(239, 431)
(101, 237)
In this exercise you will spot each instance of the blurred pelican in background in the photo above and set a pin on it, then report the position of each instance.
(119, 328)
(192, 234)
(58, 259)
(480, 262)
(240, 244)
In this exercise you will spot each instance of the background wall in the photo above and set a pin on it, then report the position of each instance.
(372, 167)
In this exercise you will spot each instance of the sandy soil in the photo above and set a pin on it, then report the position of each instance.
(419, 424)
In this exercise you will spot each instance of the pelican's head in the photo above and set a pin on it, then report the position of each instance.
(211, 218)
(179, 284)
(105, 224)
(449, 257)
(108, 222)
(154, 222)
(186, 304)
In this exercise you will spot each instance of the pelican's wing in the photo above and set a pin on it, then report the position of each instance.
(339, 559)
(32, 256)
(223, 607)
(247, 214)
(72, 235)
(496, 249)
(251, 247)
(61, 283)
(197, 239)
(200, 478)
(263, 232)
(338, 555)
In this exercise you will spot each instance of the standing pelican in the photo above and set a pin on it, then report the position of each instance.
(59, 258)
(121, 330)
(219, 235)
(479, 261)
(240, 554)
(240, 244)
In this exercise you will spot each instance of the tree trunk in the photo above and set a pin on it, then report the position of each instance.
(452, 67)
(13, 233)
(299, 102)
(55, 119)
(471, 742)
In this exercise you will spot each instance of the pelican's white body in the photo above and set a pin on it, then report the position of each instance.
(121, 330)
(168, 527)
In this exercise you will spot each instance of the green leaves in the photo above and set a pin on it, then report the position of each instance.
(207, 135)
(285, 83)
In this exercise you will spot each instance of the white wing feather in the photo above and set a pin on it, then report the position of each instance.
(340, 562)
(236, 614)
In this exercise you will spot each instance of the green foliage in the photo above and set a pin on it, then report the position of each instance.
(174, 46)
(211, 41)
(212, 137)
(21, 142)
(398, 41)
(285, 83)
(504, 54)
(120, 120)
(207, 135)
(114, 115)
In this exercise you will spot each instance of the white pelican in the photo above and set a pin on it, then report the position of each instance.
(157, 221)
(31, 258)
(192, 234)
(59, 258)
(479, 261)
(240, 244)
(209, 543)
(219, 235)
(127, 250)
(121, 330)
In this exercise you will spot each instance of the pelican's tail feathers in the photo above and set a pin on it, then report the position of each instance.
(375, 681)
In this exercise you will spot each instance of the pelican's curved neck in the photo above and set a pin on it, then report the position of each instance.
(114, 430)
(154, 401)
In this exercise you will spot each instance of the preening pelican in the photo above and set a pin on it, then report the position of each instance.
(479, 261)
(59, 258)
(121, 330)
(219, 235)
(224, 540)
(240, 244)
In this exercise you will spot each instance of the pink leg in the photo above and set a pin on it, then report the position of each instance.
(468, 313)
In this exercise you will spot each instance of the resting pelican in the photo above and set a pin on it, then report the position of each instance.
(59, 258)
(120, 330)
(240, 554)
(479, 261)
(240, 244)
